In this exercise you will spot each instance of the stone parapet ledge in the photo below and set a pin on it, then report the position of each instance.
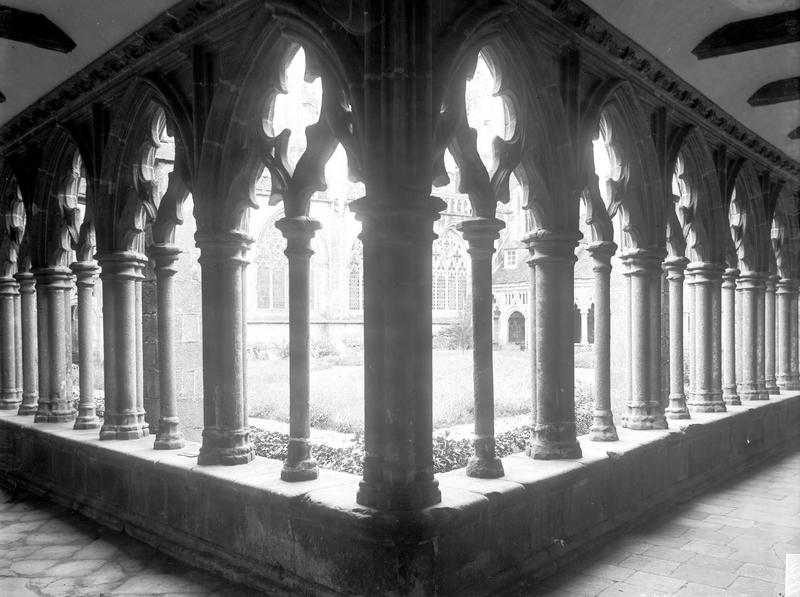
(313, 538)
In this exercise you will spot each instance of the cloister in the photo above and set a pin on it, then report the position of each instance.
(697, 209)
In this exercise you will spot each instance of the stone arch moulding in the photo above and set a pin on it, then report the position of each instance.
(125, 193)
(236, 146)
(756, 248)
(52, 227)
(641, 197)
(13, 223)
(700, 175)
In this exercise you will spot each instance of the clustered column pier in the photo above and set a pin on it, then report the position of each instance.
(786, 291)
(644, 409)
(9, 396)
(706, 396)
(124, 411)
(769, 335)
(553, 256)
(747, 289)
(30, 380)
(226, 435)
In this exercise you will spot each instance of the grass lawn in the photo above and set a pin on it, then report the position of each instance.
(337, 389)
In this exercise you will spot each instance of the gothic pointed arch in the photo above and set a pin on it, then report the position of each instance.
(749, 230)
(128, 198)
(237, 144)
(12, 224)
(637, 191)
(55, 216)
(700, 206)
(538, 151)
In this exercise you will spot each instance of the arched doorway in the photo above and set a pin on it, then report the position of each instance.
(516, 329)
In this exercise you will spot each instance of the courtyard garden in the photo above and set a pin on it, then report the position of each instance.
(337, 403)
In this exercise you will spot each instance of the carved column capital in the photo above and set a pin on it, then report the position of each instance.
(548, 246)
(85, 272)
(298, 232)
(730, 278)
(602, 252)
(26, 281)
(787, 286)
(643, 262)
(751, 281)
(165, 256)
(224, 248)
(675, 267)
(407, 222)
(121, 264)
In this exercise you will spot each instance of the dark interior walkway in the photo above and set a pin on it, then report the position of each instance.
(731, 541)
(47, 550)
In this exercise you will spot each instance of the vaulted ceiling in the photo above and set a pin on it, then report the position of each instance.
(767, 75)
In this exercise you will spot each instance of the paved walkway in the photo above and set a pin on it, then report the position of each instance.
(46, 549)
(731, 541)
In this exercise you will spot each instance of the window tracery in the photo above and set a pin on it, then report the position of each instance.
(449, 273)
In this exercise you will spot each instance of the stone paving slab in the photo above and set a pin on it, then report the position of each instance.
(729, 542)
(48, 551)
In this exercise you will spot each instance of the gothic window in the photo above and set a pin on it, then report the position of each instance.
(355, 280)
(271, 270)
(449, 273)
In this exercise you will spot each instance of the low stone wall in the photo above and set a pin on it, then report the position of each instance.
(312, 538)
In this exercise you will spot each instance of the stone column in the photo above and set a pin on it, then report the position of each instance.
(553, 254)
(769, 335)
(18, 344)
(124, 415)
(9, 397)
(43, 346)
(675, 268)
(53, 285)
(786, 291)
(481, 235)
(707, 389)
(398, 464)
(602, 429)
(644, 409)
(226, 435)
(585, 327)
(30, 381)
(747, 290)
(729, 394)
(85, 274)
(300, 464)
(794, 338)
(168, 436)
(761, 351)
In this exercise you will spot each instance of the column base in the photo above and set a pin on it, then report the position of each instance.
(642, 421)
(27, 409)
(228, 447)
(677, 407)
(10, 400)
(553, 442)
(603, 429)
(788, 386)
(772, 387)
(168, 436)
(752, 394)
(709, 401)
(411, 496)
(120, 432)
(485, 468)
(305, 470)
(90, 422)
(731, 397)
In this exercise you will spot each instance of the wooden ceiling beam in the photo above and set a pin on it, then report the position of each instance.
(776, 92)
(751, 34)
(33, 28)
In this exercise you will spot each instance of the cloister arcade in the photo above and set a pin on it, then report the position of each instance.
(687, 213)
